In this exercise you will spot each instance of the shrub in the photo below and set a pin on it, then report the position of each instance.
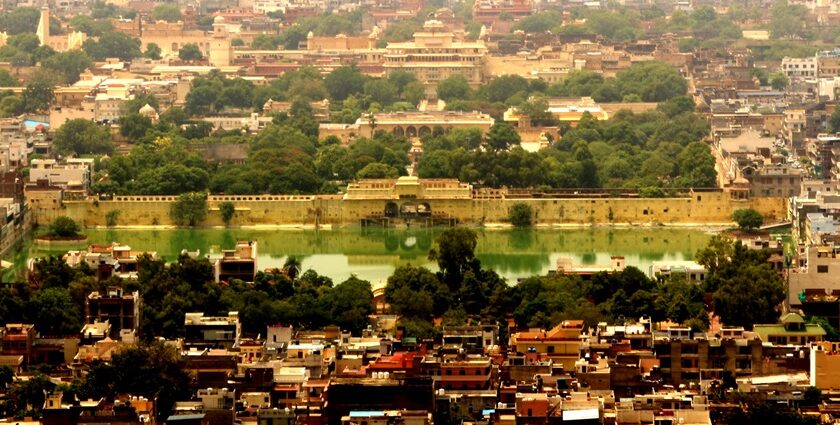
(190, 209)
(748, 219)
(227, 209)
(520, 215)
(111, 218)
(64, 227)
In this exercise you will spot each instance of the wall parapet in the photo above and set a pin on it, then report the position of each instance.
(702, 208)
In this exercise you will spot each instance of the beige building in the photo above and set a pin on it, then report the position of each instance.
(824, 364)
(60, 43)
(436, 55)
(171, 37)
(417, 124)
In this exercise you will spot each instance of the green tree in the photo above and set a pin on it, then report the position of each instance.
(64, 227)
(20, 20)
(113, 45)
(520, 214)
(454, 254)
(748, 219)
(7, 375)
(190, 209)
(38, 94)
(416, 293)
(68, 64)
(54, 312)
(26, 397)
(779, 81)
(502, 136)
(190, 52)
(111, 218)
(716, 254)
(377, 170)
(202, 100)
(413, 92)
(748, 290)
(786, 21)
(168, 12)
(291, 268)
(90, 26)
(651, 81)
(155, 371)
(82, 137)
(502, 88)
(381, 91)
(133, 126)
(834, 121)
(539, 22)
(227, 210)
(676, 105)
(350, 304)
(153, 51)
(344, 81)
(812, 396)
(455, 87)
(7, 80)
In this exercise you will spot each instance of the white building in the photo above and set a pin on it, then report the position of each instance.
(75, 172)
(800, 67)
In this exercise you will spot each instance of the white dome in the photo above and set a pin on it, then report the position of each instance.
(147, 110)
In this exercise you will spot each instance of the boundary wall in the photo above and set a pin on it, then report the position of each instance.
(698, 209)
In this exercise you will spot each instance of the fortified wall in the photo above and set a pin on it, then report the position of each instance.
(411, 200)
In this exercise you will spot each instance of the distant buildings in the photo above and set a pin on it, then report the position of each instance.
(238, 263)
(60, 43)
(436, 55)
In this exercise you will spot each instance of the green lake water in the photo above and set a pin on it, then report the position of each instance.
(374, 254)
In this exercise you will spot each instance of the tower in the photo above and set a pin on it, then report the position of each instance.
(43, 31)
(221, 50)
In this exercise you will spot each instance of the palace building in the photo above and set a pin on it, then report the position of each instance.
(436, 55)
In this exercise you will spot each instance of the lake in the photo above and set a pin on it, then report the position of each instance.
(373, 254)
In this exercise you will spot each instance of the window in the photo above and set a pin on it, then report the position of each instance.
(823, 268)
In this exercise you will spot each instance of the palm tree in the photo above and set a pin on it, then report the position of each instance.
(291, 268)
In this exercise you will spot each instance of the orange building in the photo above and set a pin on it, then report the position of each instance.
(560, 344)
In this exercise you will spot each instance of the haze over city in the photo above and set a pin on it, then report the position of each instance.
(419, 212)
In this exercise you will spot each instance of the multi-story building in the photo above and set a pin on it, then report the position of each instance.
(17, 340)
(774, 180)
(74, 173)
(495, 12)
(121, 310)
(560, 344)
(685, 359)
(418, 124)
(473, 373)
(800, 67)
(205, 331)
(436, 55)
(238, 263)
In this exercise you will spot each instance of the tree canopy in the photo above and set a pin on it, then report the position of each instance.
(80, 136)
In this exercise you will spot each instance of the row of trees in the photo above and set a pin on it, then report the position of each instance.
(286, 295)
(743, 287)
(662, 148)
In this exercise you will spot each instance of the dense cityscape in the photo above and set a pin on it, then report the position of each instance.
(419, 212)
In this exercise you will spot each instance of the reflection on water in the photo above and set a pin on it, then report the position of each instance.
(373, 254)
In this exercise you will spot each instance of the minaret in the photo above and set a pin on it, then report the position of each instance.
(43, 31)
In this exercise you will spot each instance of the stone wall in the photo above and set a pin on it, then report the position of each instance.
(702, 208)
